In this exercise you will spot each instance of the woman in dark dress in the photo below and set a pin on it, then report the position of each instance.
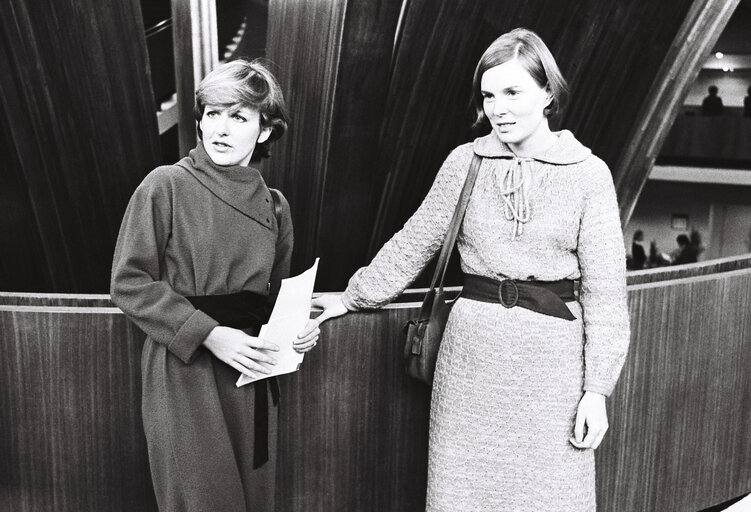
(202, 249)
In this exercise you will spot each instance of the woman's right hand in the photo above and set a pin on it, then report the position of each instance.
(332, 307)
(240, 351)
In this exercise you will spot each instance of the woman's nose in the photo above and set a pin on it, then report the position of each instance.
(500, 107)
(222, 125)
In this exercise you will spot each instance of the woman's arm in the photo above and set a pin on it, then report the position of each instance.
(165, 315)
(602, 262)
(135, 286)
(402, 258)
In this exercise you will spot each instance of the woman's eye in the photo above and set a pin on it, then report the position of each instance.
(487, 97)
(212, 113)
(239, 118)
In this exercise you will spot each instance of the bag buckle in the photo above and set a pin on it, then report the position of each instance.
(512, 284)
(417, 338)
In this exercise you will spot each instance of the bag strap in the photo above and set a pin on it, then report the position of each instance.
(276, 200)
(451, 234)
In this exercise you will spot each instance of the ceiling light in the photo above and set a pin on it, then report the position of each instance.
(719, 55)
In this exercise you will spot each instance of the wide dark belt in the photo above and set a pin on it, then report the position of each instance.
(241, 310)
(249, 311)
(546, 297)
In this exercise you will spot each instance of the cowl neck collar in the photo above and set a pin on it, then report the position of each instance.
(565, 151)
(239, 186)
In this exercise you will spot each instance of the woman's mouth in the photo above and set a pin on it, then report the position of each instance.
(221, 145)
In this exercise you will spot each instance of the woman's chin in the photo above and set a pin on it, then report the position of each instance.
(505, 136)
(225, 159)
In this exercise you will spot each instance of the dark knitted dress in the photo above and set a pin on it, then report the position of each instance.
(199, 229)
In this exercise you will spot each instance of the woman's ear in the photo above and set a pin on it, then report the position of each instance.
(548, 96)
(264, 135)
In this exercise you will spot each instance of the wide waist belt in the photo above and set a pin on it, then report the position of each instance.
(241, 310)
(246, 310)
(546, 297)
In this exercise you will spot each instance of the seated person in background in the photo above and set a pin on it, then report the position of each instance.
(712, 104)
(686, 253)
(638, 254)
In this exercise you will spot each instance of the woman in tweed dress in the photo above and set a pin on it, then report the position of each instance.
(518, 401)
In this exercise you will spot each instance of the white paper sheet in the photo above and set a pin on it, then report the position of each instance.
(291, 313)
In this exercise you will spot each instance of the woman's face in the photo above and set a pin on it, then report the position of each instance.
(230, 134)
(514, 103)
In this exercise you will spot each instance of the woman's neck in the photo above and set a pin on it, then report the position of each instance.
(539, 141)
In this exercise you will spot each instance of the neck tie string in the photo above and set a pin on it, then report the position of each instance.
(514, 191)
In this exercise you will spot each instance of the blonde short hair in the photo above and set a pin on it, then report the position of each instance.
(532, 53)
(245, 84)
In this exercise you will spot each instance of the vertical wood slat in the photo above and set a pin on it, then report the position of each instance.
(699, 32)
(426, 114)
(350, 194)
(79, 131)
(333, 60)
(194, 34)
(304, 48)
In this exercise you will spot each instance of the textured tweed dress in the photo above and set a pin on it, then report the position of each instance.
(508, 381)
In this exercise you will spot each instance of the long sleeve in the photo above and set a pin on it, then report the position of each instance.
(406, 254)
(603, 284)
(136, 287)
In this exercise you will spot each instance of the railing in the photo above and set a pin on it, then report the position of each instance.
(721, 141)
(353, 428)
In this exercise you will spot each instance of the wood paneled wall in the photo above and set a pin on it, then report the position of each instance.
(353, 427)
(70, 423)
(680, 416)
(77, 133)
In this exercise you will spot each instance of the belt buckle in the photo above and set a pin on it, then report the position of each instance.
(516, 293)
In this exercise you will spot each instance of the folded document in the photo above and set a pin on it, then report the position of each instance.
(289, 317)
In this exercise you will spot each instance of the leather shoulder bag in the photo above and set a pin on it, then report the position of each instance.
(424, 333)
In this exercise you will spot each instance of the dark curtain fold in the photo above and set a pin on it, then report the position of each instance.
(78, 133)
(333, 61)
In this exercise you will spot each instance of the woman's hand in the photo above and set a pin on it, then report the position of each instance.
(332, 306)
(308, 338)
(592, 413)
(240, 351)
